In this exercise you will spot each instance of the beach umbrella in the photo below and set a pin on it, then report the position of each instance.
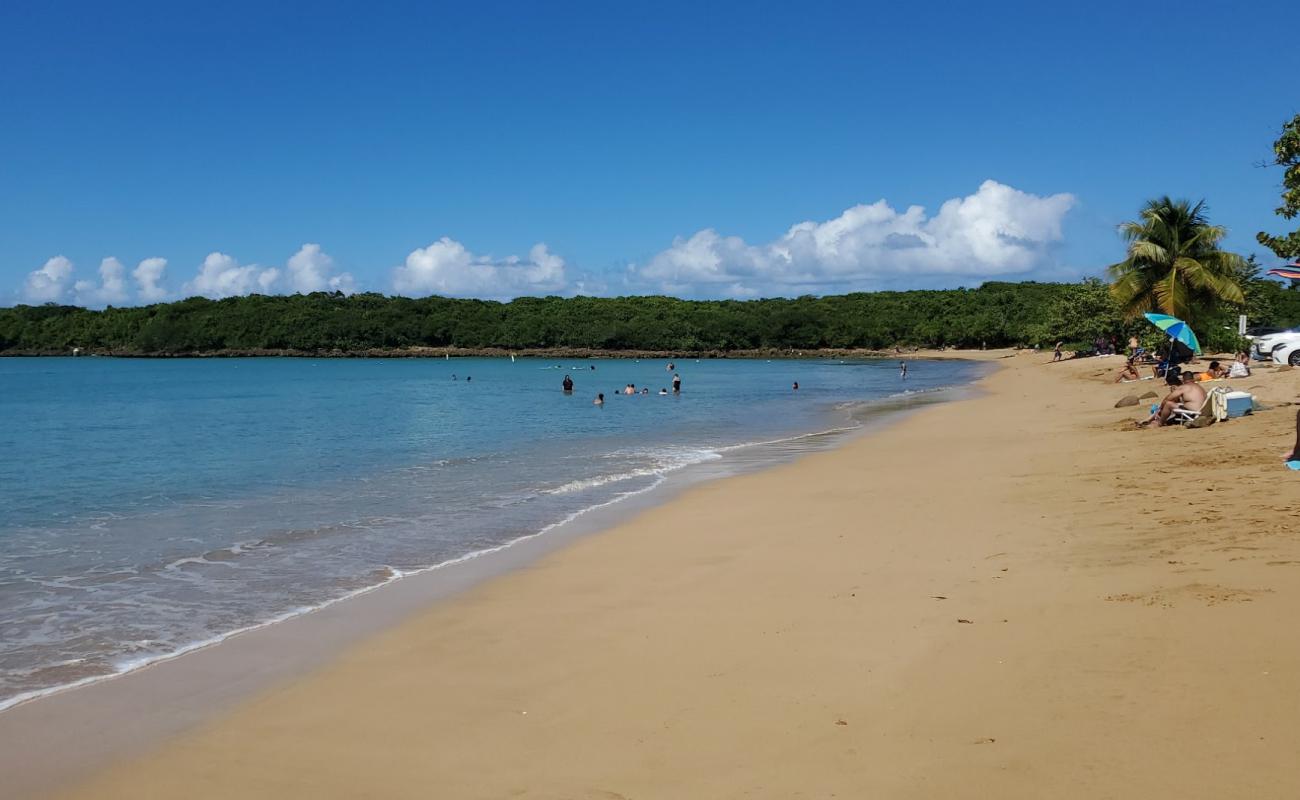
(1291, 271)
(1176, 329)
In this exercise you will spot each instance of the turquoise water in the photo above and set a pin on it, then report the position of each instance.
(148, 506)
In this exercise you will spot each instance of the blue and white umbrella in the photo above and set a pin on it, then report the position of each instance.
(1176, 328)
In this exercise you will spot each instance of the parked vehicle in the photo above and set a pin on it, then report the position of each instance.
(1288, 352)
(1280, 347)
(1258, 331)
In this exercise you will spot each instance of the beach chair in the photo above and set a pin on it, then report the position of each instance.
(1214, 409)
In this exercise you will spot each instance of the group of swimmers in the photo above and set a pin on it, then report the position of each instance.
(629, 389)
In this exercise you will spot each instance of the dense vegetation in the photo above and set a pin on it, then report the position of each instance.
(1286, 154)
(995, 314)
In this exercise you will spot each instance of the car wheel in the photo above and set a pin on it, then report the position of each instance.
(1294, 358)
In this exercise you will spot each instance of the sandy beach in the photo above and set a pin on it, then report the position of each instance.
(1015, 595)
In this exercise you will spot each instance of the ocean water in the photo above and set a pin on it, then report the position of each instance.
(151, 506)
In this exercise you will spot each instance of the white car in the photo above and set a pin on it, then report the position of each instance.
(1283, 348)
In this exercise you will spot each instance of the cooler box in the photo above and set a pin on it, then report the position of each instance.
(1239, 403)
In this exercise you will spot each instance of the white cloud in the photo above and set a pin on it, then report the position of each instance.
(222, 276)
(112, 289)
(50, 282)
(447, 268)
(312, 270)
(148, 275)
(996, 231)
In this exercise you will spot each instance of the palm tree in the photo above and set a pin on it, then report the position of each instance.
(1174, 263)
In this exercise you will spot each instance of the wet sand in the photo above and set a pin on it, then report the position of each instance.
(1018, 595)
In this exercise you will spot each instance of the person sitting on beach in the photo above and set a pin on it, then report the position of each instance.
(1188, 395)
(1215, 372)
(1240, 366)
(1129, 372)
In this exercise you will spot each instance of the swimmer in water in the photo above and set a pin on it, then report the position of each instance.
(600, 400)
(796, 386)
(677, 383)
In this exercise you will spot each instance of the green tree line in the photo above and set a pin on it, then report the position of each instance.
(995, 315)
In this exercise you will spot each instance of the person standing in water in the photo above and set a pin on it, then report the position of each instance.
(600, 400)
(677, 383)
(902, 370)
(567, 383)
(796, 386)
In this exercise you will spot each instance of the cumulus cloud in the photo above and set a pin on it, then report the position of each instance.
(447, 268)
(49, 283)
(222, 276)
(148, 276)
(996, 231)
(111, 289)
(312, 270)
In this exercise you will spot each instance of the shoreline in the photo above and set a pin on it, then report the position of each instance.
(440, 582)
(874, 413)
(979, 600)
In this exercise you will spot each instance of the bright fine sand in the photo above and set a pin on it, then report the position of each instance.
(1012, 596)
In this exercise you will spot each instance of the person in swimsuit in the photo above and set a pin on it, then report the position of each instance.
(567, 383)
(677, 383)
(1188, 395)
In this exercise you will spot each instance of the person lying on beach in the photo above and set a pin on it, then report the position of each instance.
(1215, 372)
(1129, 372)
(1186, 396)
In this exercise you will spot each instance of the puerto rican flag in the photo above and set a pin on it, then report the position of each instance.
(1291, 271)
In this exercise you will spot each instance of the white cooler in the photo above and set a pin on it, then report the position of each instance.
(1239, 403)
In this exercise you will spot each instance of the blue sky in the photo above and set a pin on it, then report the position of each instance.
(498, 149)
